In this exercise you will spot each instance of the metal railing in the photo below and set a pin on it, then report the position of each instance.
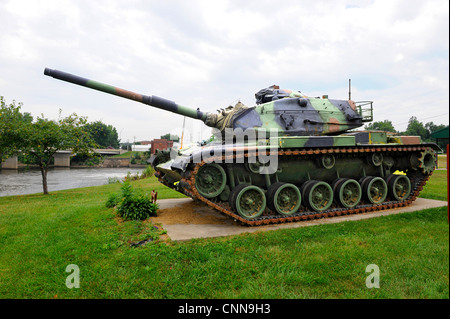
(364, 108)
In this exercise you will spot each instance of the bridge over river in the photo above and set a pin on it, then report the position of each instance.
(62, 158)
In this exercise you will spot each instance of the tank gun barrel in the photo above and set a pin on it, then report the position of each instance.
(151, 100)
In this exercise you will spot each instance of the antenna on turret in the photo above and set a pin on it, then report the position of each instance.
(349, 89)
(182, 134)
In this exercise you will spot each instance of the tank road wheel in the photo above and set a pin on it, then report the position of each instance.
(233, 194)
(318, 195)
(374, 189)
(399, 187)
(284, 198)
(347, 192)
(210, 180)
(306, 185)
(250, 201)
(427, 161)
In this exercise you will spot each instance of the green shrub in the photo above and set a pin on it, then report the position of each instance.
(113, 200)
(132, 204)
(147, 172)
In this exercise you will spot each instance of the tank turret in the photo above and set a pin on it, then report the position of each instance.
(287, 112)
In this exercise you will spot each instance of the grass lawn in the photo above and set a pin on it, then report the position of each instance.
(436, 187)
(442, 161)
(41, 235)
(128, 154)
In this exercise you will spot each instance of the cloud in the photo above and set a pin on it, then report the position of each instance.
(210, 54)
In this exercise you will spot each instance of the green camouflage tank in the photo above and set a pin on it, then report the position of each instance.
(288, 158)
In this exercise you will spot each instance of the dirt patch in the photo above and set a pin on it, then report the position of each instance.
(190, 213)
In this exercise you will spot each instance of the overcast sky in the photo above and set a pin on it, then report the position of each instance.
(210, 54)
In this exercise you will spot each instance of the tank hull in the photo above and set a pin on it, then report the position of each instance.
(310, 177)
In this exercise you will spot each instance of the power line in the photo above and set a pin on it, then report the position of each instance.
(420, 120)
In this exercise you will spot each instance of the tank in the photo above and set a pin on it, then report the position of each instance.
(288, 158)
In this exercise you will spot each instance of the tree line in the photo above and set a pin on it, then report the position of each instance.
(42, 138)
(414, 128)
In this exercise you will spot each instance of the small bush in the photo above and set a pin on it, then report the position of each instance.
(147, 172)
(132, 204)
(113, 200)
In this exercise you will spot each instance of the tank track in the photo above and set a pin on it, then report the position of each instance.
(418, 181)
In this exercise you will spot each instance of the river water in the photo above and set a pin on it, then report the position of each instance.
(21, 182)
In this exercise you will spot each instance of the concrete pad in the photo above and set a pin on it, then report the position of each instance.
(172, 202)
(185, 219)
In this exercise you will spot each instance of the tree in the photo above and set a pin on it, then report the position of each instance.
(416, 128)
(431, 128)
(171, 137)
(11, 121)
(41, 138)
(385, 125)
(104, 135)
